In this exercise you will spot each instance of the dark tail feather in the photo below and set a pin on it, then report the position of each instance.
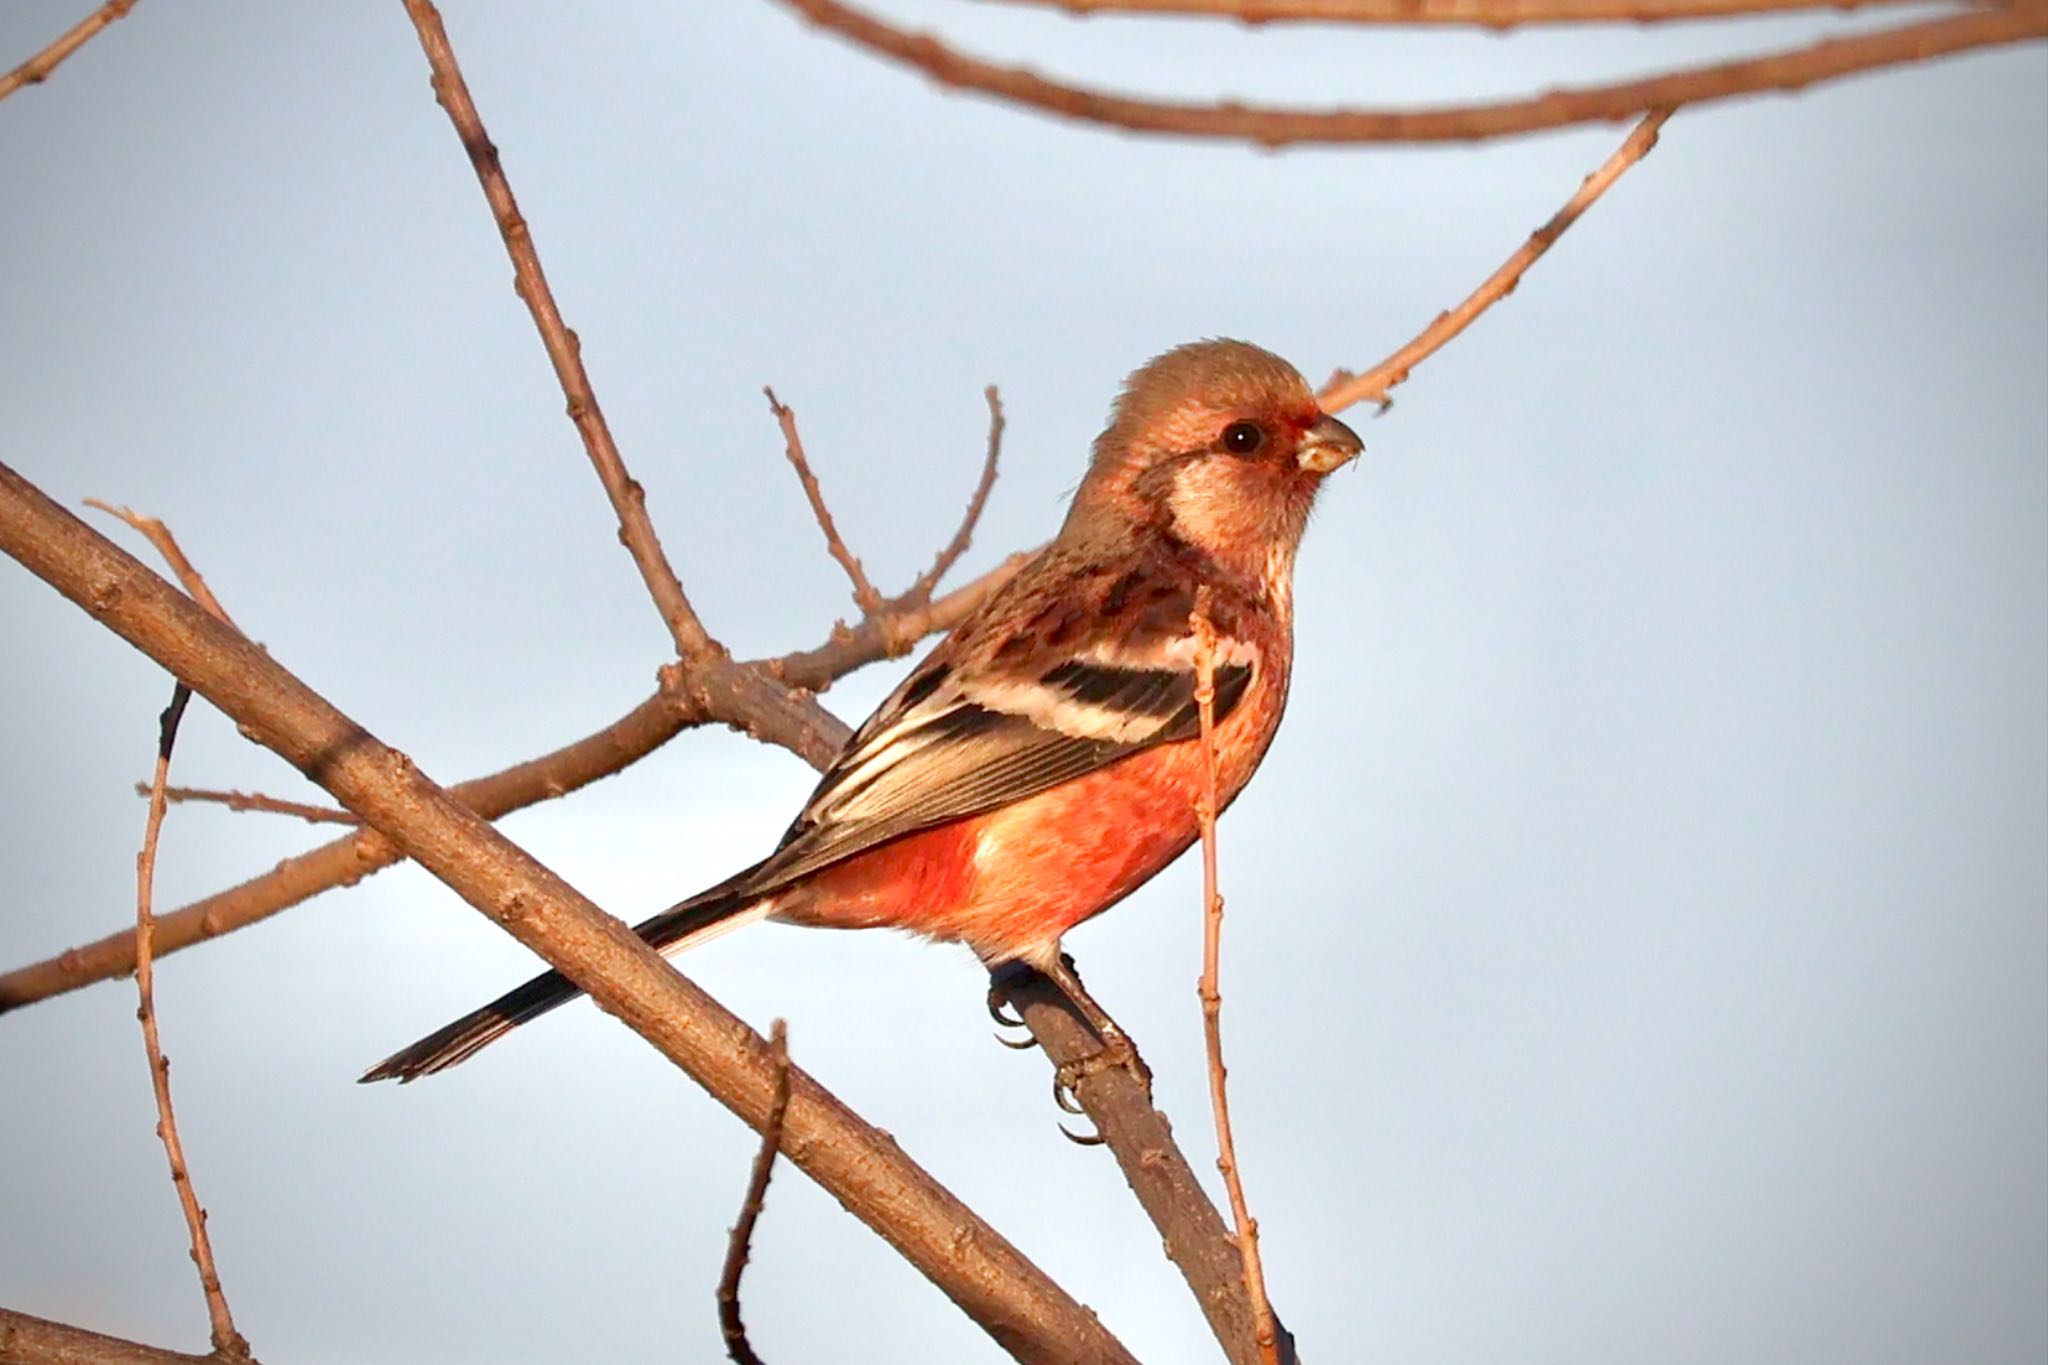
(696, 919)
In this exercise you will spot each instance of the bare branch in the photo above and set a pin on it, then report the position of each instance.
(641, 731)
(227, 1342)
(1015, 1302)
(1206, 805)
(964, 537)
(37, 69)
(565, 352)
(1497, 14)
(1992, 26)
(739, 1246)
(1344, 389)
(1192, 1232)
(253, 801)
(26, 1340)
(166, 544)
(864, 595)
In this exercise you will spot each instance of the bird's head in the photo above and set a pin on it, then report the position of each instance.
(1217, 444)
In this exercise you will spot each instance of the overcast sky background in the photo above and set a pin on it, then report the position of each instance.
(1638, 945)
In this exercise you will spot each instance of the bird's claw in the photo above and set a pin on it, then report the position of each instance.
(998, 1001)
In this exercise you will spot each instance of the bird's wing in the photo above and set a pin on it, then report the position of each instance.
(1089, 670)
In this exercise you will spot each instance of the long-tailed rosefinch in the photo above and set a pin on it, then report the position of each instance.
(1042, 762)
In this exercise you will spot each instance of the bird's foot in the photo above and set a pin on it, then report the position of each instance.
(999, 1010)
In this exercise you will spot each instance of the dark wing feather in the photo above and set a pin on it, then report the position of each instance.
(955, 741)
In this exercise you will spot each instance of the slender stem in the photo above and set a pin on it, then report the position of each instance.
(1345, 389)
(1211, 990)
(740, 1245)
(37, 69)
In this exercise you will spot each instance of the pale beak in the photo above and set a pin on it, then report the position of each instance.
(1327, 445)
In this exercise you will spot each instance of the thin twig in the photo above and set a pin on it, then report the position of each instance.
(565, 352)
(37, 69)
(166, 545)
(1344, 389)
(1015, 1302)
(964, 537)
(227, 1342)
(864, 595)
(1211, 989)
(1991, 26)
(740, 1245)
(253, 801)
(1497, 14)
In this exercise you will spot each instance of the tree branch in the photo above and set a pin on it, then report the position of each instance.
(1193, 1233)
(27, 1340)
(1992, 26)
(253, 801)
(739, 1246)
(1495, 14)
(864, 595)
(565, 352)
(37, 69)
(1345, 388)
(228, 1344)
(964, 537)
(989, 1279)
(1245, 1227)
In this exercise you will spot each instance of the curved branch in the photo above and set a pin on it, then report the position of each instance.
(1015, 1302)
(1496, 14)
(1270, 127)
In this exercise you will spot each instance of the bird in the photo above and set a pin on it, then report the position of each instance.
(1044, 759)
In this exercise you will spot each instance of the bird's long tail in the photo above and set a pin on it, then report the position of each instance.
(698, 920)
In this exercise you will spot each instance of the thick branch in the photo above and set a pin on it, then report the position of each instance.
(1482, 13)
(990, 1280)
(1783, 71)
(1194, 1234)
(26, 1340)
(37, 69)
(641, 731)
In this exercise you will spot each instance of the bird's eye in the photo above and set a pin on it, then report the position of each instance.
(1242, 438)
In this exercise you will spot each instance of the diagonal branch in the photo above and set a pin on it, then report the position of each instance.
(565, 352)
(1992, 26)
(1344, 388)
(1193, 1233)
(37, 69)
(1015, 1302)
(26, 1340)
(864, 595)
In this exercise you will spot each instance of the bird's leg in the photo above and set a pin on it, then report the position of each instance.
(1117, 1048)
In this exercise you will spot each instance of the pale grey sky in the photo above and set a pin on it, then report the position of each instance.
(1639, 933)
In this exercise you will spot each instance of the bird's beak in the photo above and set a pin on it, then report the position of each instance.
(1327, 445)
